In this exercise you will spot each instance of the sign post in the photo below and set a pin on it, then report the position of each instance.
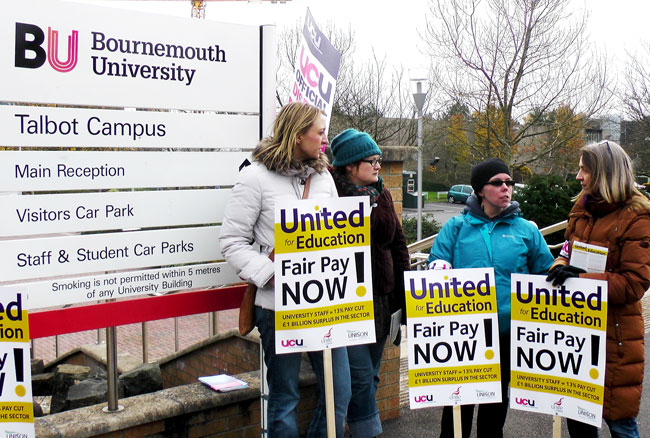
(141, 215)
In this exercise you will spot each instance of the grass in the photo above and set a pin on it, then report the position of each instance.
(433, 199)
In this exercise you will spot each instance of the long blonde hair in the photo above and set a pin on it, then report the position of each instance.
(276, 151)
(612, 173)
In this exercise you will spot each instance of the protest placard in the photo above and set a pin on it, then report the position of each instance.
(453, 334)
(323, 281)
(317, 67)
(16, 408)
(558, 347)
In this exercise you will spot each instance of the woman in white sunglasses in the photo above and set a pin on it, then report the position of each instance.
(491, 232)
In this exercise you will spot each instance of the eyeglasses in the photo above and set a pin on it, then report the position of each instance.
(374, 162)
(499, 183)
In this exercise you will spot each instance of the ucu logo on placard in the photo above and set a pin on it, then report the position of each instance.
(423, 398)
(292, 342)
(313, 77)
(525, 402)
(30, 54)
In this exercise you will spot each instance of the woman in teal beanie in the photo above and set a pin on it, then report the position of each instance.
(356, 166)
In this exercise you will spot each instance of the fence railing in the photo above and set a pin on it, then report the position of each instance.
(419, 258)
(95, 316)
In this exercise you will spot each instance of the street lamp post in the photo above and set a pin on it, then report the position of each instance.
(419, 96)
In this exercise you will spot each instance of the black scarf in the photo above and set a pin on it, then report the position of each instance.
(348, 188)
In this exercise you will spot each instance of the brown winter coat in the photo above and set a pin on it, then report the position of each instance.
(625, 230)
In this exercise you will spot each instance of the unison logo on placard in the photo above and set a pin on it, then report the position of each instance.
(29, 52)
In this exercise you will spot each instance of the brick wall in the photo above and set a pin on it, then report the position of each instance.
(391, 171)
(226, 353)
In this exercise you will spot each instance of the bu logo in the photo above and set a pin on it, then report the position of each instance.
(30, 54)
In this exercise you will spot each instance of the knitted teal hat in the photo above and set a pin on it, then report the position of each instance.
(351, 146)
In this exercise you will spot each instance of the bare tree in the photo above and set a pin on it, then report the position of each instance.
(369, 96)
(637, 103)
(512, 62)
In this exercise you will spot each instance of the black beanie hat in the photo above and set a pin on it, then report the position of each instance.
(482, 172)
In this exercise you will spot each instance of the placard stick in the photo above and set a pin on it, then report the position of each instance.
(329, 392)
(557, 426)
(458, 426)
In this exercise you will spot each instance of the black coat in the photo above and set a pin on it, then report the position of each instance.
(390, 258)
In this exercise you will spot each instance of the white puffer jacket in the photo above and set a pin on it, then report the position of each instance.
(247, 235)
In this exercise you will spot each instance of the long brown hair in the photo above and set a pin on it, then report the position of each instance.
(612, 174)
(276, 151)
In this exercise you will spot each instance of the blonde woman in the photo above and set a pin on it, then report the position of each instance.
(610, 212)
(282, 163)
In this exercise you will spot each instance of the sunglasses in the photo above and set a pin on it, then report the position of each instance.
(374, 162)
(499, 183)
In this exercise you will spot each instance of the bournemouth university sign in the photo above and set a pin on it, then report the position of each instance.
(121, 134)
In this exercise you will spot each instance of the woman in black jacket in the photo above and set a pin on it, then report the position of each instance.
(357, 161)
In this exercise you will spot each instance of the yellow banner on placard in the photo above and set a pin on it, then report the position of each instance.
(15, 331)
(452, 305)
(321, 238)
(558, 385)
(323, 316)
(558, 314)
(16, 412)
(454, 375)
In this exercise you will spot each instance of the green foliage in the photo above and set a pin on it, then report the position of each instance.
(546, 200)
(429, 227)
(430, 186)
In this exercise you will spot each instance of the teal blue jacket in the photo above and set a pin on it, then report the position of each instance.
(508, 243)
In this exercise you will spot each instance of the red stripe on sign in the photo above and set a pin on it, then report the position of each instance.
(113, 314)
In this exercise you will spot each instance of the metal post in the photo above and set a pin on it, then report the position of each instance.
(145, 342)
(264, 394)
(175, 334)
(111, 370)
(213, 323)
(419, 197)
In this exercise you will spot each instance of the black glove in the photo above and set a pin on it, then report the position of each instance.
(561, 273)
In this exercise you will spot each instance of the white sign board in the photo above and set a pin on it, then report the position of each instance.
(453, 334)
(23, 259)
(69, 52)
(75, 212)
(558, 347)
(89, 289)
(70, 170)
(78, 127)
(323, 280)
